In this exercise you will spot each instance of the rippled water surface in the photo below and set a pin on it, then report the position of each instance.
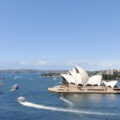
(44, 105)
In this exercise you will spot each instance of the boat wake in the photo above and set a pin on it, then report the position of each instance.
(67, 101)
(38, 106)
(12, 90)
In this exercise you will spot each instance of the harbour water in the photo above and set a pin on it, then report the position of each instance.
(44, 105)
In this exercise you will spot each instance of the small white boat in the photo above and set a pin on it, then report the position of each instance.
(15, 87)
(54, 78)
(21, 99)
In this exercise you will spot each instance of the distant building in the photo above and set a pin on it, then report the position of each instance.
(100, 73)
(119, 70)
(110, 72)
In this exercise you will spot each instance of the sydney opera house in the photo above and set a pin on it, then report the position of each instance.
(78, 81)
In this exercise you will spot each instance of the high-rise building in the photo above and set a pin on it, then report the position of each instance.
(119, 70)
(110, 72)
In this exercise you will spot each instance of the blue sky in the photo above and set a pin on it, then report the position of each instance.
(58, 34)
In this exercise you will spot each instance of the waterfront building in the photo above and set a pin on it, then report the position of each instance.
(78, 81)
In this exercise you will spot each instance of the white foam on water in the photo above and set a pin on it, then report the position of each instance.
(38, 106)
(12, 90)
(67, 101)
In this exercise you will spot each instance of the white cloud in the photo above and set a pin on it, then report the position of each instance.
(41, 63)
(47, 64)
(95, 65)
